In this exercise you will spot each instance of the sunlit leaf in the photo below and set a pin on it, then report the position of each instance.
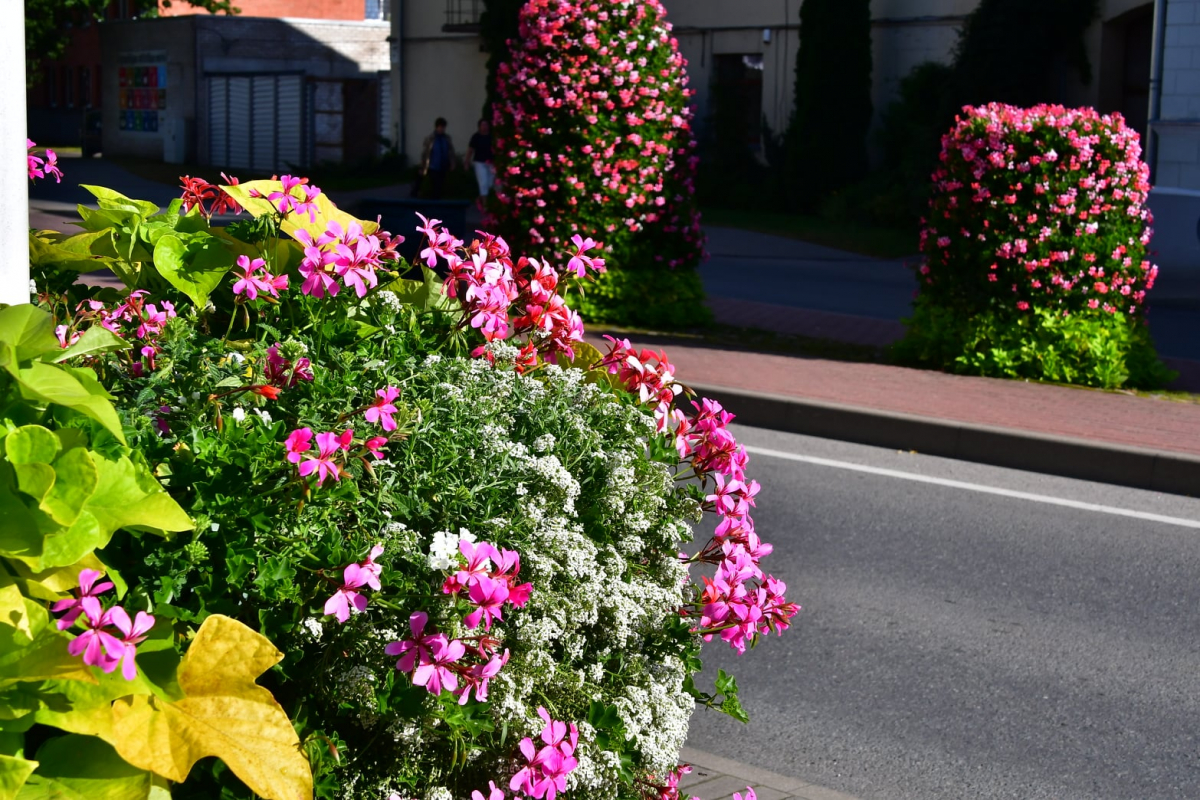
(224, 714)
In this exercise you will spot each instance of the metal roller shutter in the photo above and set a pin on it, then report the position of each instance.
(257, 122)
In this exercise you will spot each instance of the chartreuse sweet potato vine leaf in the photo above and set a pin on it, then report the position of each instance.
(77, 767)
(194, 263)
(14, 771)
(257, 206)
(224, 713)
(82, 499)
(26, 655)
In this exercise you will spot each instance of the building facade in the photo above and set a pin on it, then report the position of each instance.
(246, 93)
(285, 82)
(750, 46)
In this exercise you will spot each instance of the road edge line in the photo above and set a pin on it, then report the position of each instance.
(1103, 462)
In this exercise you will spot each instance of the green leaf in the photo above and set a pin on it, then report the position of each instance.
(96, 339)
(88, 768)
(84, 252)
(193, 263)
(29, 330)
(110, 200)
(76, 480)
(32, 444)
(64, 545)
(31, 449)
(31, 650)
(128, 496)
(51, 383)
(19, 534)
(14, 772)
(426, 294)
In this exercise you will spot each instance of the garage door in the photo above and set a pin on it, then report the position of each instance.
(256, 122)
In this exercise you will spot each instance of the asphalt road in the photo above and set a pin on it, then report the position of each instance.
(958, 644)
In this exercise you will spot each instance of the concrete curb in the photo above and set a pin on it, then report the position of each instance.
(1139, 468)
(716, 777)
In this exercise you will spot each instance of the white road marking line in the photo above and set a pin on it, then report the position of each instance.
(976, 487)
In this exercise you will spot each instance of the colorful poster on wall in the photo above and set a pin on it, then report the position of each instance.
(142, 90)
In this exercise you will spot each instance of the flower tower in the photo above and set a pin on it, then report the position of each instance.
(594, 138)
(1036, 259)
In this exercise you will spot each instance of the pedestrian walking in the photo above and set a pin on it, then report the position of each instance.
(479, 156)
(437, 158)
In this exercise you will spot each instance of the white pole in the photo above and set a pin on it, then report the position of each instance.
(14, 175)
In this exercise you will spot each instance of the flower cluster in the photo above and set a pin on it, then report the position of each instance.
(41, 166)
(346, 558)
(134, 319)
(333, 451)
(492, 288)
(546, 769)
(255, 278)
(296, 197)
(208, 197)
(741, 602)
(1039, 207)
(593, 133)
(109, 638)
(345, 253)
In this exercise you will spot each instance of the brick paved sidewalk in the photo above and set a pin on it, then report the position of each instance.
(1085, 414)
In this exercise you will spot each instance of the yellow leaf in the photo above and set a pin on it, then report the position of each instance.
(326, 210)
(224, 713)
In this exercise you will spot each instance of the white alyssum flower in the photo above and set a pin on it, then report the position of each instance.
(264, 415)
(238, 414)
(313, 626)
(544, 443)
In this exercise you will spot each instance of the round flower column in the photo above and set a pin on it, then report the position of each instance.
(594, 138)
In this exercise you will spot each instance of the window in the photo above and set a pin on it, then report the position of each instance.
(52, 86)
(378, 9)
(68, 87)
(462, 16)
(737, 95)
(84, 75)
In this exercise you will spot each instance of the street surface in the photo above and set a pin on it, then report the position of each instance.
(968, 641)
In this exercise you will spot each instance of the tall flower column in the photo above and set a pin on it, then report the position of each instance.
(594, 139)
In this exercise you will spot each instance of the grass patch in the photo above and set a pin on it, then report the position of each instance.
(867, 240)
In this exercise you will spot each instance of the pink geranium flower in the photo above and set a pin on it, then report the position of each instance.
(415, 650)
(96, 644)
(580, 262)
(375, 446)
(297, 443)
(347, 595)
(494, 793)
(488, 596)
(481, 675)
(88, 587)
(133, 632)
(382, 409)
(328, 445)
(435, 674)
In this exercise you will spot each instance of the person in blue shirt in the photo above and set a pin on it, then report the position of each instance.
(437, 158)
